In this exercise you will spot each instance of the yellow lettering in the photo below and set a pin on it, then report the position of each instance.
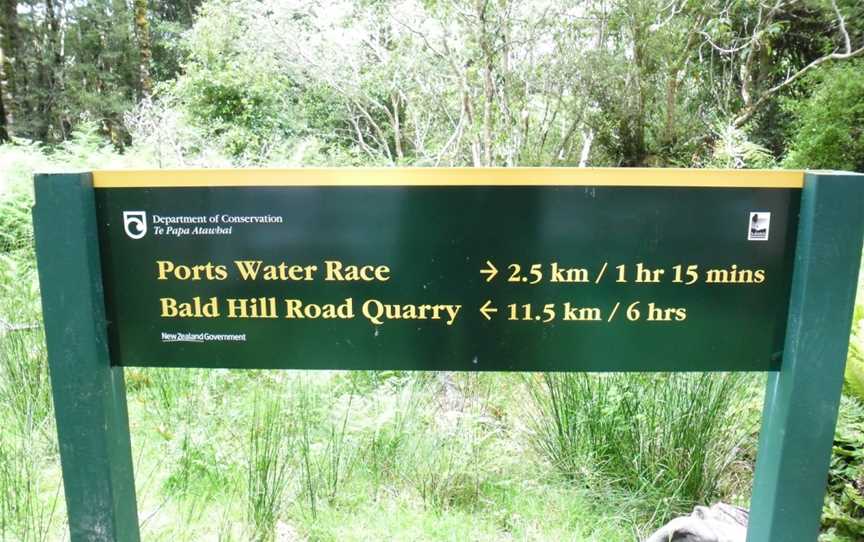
(336, 271)
(169, 307)
(163, 268)
(248, 268)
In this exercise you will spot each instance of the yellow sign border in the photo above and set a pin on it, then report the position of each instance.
(416, 176)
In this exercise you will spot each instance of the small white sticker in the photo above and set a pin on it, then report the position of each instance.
(758, 226)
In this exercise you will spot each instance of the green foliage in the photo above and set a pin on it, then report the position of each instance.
(327, 452)
(843, 515)
(28, 506)
(24, 382)
(25, 513)
(235, 94)
(29, 489)
(244, 110)
(853, 377)
(16, 231)
(74, 62)
(195, 466)
(422, 83)
(828, 133)
(16, 197)
(668, 438)
(733, 149)
(101, 84)
(270, 447)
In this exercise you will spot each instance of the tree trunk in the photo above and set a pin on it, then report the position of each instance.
(50, 75)
(145, 53)
(4, 130)
(8, 47)
(488, 83)
(4, 118)
(633, 122)
(397, 126)
(671, 102)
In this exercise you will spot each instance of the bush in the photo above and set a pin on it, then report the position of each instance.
(734, 149)
(843, 514)
(829, 133)
(233, 91)
(668, 438)
(16, 227)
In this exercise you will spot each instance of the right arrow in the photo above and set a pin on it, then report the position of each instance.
(487, 309)
(490, 270)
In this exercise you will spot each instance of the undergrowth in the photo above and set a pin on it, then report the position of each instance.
(668, 438)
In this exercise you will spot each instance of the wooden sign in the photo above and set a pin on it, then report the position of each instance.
(449, 269)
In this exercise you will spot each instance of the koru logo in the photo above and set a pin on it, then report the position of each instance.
(135, 224)
(757, 228)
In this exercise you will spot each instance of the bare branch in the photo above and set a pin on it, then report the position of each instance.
(748, 112)
(842, 24)
(724, 50)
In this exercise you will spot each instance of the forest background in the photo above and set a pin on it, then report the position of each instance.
(229, 83)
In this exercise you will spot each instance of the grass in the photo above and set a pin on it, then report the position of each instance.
(30, 496)
(270, 447)
(427, 457)
(669, 437)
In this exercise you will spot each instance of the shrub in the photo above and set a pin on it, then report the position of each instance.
(853, 378)
(666, 437)
(843, 514)
(829, 133)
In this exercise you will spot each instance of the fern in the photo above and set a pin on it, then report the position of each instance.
(854, 375)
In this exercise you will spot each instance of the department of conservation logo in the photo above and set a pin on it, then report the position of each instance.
(135, 224)
(757, 229)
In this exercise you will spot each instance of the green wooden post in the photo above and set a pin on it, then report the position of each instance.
(801, 400)
(89, 394)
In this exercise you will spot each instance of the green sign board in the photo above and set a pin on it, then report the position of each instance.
(532, 278)
(449, 269)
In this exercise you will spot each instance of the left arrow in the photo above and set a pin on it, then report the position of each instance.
(490, 270)
(488, 309)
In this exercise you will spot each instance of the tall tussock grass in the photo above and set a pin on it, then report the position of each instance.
(29, 496)
(28, 511)
(666, 437)
(29, 489)
(24, 384)
(270, 448)
(327, 451)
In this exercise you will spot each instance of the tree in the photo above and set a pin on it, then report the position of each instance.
(829, 132)
(4, 117)
(4, 131)
(8, 47)
(51, 78)
(66, 62)
(142, 32)
(751, 48)
(430, 82)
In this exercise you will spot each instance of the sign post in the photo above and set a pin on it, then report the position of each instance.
(802, 398)
(89, 393)
(546, 269)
